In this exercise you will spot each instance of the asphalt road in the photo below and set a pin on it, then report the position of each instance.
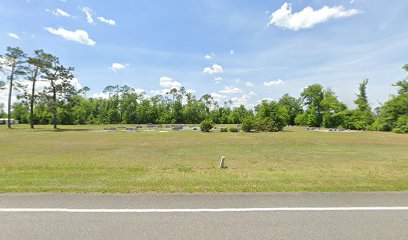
(268, 216)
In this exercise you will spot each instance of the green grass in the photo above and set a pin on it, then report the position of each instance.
(80, 159)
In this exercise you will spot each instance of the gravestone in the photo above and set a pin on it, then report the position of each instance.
(222, 162)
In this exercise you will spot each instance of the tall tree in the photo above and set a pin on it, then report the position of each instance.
(293, 105)
(312, 97)
(34, 71)
(60, 78)
(362, 100)
(84, 90)
(362, 117)
(394, 113)
(13, 63)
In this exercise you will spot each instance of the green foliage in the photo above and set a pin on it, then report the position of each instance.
(312, 97)
(274, 112)
(224, 129)
(393, 112)
(402, 123)
(293, 107)
(20, 112)
(362, 100)
(248, 124)
(332, 109)
(206, 125)
(234, 129)
(61, 103)
(267, 125)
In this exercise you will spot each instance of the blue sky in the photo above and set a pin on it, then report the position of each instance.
(234, 49)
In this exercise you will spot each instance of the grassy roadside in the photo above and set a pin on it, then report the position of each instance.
(82, 159)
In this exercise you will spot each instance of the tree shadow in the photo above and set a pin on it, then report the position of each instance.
(64, 130)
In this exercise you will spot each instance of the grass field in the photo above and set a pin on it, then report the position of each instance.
(81, 159)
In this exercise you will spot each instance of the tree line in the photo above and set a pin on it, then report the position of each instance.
(61, 103)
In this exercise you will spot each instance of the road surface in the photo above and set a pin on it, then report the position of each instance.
(205, 216)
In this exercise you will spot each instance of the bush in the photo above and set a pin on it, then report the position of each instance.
(402, 123)
(397, 130)
(234, 129)
(223, 130)
(206, 125)
(248, 124)
(267, 125)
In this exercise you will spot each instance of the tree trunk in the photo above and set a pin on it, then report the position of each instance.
(54, 99)
(9, 98)
(32, 104)
(9, 102)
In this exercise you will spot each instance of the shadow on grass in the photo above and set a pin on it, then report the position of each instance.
(63, 130)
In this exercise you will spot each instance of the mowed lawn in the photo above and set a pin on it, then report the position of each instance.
(81, 159)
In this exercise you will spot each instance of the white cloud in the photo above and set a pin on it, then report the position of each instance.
(107, 21)
(231, 90)
(308, 17)
(243, 100)
(217, 79)
(100, 95)
(139, 90)
(232, 52)
(274, 83)
(79, 36)
(218, 97)
(116, 67)
(14, 35)
(192, 91)
(215, 68)
(168, 82)
(155, 92)
(265, 99)
(58, 12)
(209, 56)
(249, 84)
(88, 12)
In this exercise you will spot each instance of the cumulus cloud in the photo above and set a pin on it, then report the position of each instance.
(243, 100)
(249, 84)
(107, 21)
(100, 95)
(192, 91)
(116, 67)
(308, 17)
(231, 90)
(218, 97)
(88, 12)
(14, 35)
(274, 83)
(79, 36)
(168, 82)
(215, 68)
(217, 79)
(58, 12)
(209, 56)
(265, 99)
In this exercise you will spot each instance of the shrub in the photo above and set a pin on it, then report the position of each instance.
(397, 130)
(267, 125)
(233, 129)
(223, 130)
(248, 124)
(206, 125)
(402, 123)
